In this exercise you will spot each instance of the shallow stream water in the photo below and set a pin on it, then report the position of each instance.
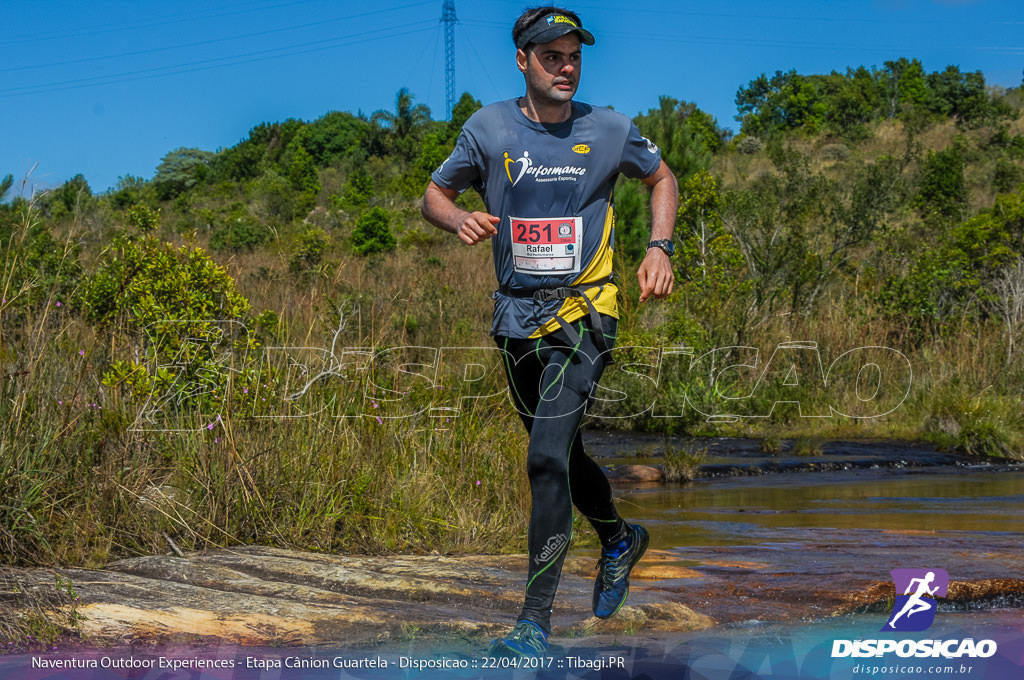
(792, 531)
(881, 486)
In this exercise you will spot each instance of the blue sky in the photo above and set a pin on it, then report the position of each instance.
(106, 88)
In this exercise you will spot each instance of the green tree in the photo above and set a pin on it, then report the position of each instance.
(404, 125)
(358, 190)
(686, 135)
(957, 95)
(333, 137)
(71, 198)
(127, 192)
(786, 225)
(180, 170)
(174, 303)
(786, 101)
(463, 109)
(632, 219)
(688, 138)
(954, 278)
(239, 231)
(903, 85)
(252, 157)
(36, 268)
(273, 196)
(851, 100)
(433, 152)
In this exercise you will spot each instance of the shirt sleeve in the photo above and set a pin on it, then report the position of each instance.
(640, 156)
(461, 169)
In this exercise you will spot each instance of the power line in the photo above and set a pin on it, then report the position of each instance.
(212, 41)
(479, 61)
(166, 21)
(218, 62)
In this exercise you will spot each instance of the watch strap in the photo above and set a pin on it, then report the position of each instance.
(664, 244)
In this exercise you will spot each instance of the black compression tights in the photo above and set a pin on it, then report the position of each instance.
(551, 384)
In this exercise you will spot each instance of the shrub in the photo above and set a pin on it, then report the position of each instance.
(310, 255)
(36, 267)
(683, 465)
(240, 233)
(835, 152)
(179, 306)
(749, 145)
(373, 233)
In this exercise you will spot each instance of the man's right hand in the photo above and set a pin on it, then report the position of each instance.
(476, 227)
(440, 210)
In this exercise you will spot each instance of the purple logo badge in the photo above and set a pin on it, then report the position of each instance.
(914, 610)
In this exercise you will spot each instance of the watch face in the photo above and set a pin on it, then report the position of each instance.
(665, 245)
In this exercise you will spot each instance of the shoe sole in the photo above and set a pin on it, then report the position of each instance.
(500, 649)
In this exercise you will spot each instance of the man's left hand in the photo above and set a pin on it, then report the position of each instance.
(655, 275)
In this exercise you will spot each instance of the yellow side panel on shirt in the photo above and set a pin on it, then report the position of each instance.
(604, 297)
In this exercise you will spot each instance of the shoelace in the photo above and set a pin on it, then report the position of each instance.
(525, 633)
(610, 574)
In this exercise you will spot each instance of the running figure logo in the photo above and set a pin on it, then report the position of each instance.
(914, 610)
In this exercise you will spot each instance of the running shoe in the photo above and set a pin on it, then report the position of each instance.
(612, 585)
(526, 640)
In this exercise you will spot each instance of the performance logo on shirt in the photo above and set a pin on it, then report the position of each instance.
(517, 169)
(914, 610)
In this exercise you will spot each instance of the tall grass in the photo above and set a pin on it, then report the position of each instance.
(80, 484)
(84, 479)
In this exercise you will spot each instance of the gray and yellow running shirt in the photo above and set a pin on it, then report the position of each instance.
(551, 185)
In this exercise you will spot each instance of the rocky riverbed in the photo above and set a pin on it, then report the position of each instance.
(726, 552)
(269, 597)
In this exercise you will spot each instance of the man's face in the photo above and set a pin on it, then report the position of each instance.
(552, 69)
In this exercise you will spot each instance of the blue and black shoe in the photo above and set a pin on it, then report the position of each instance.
(612, 585)
(526, 640)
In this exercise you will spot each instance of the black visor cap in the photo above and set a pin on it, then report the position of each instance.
(552, 27)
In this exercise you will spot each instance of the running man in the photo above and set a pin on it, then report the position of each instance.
(545, 166)
(915, 603)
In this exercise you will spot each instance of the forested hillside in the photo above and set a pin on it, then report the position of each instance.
(212, 355)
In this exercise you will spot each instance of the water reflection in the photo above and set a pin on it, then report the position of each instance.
(736, 511)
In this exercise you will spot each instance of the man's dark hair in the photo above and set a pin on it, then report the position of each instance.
(529, 18)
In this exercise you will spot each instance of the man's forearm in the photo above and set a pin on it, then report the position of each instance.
(441, 211)
(664, 205)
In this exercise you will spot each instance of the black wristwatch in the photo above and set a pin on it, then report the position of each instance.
(664, 244)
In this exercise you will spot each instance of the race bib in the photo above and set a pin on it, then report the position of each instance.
(547, 245)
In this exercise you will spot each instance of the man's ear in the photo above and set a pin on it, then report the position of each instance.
(521, 60)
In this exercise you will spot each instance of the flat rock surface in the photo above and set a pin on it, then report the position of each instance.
(255, 595)
(267, 596)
